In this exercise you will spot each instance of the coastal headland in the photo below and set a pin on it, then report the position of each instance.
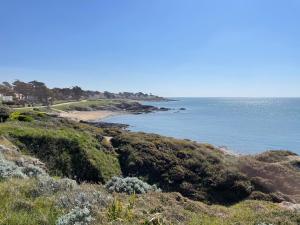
(57, 155)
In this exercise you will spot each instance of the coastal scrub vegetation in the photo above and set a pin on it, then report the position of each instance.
(66, 151)
(274, 172)
(129, 185)
(91, 204)
(198, 171)
(203, 172)
(200, 184)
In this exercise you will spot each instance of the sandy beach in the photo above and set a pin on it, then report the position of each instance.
(88, 115)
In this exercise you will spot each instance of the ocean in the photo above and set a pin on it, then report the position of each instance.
(243, 125)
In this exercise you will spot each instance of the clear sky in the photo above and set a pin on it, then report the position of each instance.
(167, 47)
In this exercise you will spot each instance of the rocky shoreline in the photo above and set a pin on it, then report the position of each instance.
(123, 106)
(101, 124)
(132, 107)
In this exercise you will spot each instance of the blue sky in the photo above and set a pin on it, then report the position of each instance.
(167, 47)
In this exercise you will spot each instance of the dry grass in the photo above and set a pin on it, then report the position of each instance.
(274, 172)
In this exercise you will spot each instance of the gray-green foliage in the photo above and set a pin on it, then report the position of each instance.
(263, 223)
(47, 185)
(9, 169)
(129, 185)
(33, 171)
(78, 216)
(82, 202)
(80, 198)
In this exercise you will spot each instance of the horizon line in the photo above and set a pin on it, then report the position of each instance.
(231, 97)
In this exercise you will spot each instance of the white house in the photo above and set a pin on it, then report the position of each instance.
(7, 98)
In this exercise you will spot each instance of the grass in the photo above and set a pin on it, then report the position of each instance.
(66, 151)
(19, 207)
(274, 171)
(246, 213)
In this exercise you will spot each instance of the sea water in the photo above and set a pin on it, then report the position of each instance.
(243, 125)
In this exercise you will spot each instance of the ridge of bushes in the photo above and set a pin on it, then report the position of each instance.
(198, 171)
(203, 172)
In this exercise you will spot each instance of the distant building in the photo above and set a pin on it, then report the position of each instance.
(7, 99)
(20, 96)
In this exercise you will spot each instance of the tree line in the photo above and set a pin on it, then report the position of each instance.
(36, 92)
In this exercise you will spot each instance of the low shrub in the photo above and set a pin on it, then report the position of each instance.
(118, 211)
(81, 198)
(47, 185)
(115, 210)
(9, 169)
(21, 117)
(33, 171)
(129, 185)
(78, 216)
(198, 171)
(264, 223)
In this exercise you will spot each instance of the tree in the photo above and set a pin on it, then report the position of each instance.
(8, 85)
(40, 91)
(5, 90)
(77, 92)
(23, 88)
(108, 94)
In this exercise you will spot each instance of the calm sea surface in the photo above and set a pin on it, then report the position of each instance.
(244, 125)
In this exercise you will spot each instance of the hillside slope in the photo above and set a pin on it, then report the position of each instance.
(40, 199)
(198, 171)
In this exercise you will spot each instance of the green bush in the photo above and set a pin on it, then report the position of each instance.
(21, 117)
(197, 171)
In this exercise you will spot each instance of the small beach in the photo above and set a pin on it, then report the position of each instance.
(89, 115)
